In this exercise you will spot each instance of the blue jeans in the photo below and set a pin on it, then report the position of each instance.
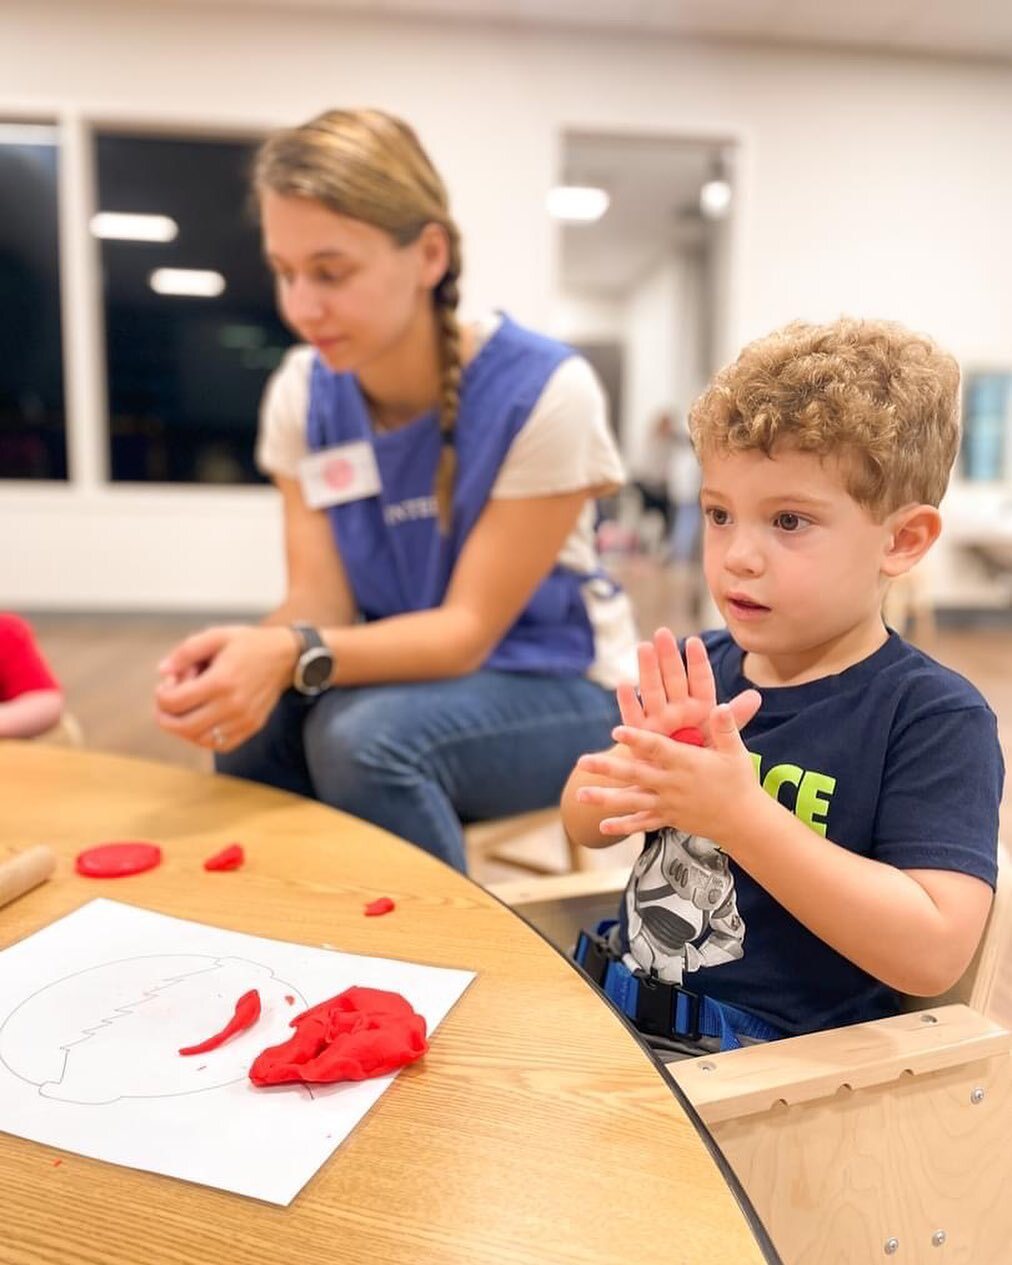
(419, 759)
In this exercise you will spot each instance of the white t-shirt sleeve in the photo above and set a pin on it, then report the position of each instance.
(281, 438)
(566, 444)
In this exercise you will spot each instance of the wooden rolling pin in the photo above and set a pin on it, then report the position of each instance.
(25, 870)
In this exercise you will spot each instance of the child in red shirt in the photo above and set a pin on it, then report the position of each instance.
(31, 700)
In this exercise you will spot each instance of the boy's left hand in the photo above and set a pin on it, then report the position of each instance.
(674, 694)
(701, 790)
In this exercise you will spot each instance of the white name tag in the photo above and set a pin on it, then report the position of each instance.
(346, 472)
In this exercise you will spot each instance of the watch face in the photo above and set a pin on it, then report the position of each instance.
(315, 667)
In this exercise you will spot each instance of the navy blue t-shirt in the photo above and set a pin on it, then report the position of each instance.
(897, 758)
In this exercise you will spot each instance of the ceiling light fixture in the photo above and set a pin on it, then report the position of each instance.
(121, 227)
(577, 204)
(191, 283)
(715, 195)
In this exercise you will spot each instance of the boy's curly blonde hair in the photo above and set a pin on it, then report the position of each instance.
(882, 399)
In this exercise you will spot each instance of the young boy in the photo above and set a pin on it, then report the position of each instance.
(832, 842)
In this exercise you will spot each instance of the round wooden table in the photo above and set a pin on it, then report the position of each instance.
(537, 1129)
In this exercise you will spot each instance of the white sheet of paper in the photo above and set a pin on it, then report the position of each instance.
(95, 1007)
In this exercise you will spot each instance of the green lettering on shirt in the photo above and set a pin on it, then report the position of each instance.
(814, 790)
(813, 799)
(778, 775)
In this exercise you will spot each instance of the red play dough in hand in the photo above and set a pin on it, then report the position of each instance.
(689, 734)
(116, 860)
(382, 905)
(229, 858)
(360, 1033)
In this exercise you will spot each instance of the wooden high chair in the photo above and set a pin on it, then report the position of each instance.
(486, 839)
(883, 1140)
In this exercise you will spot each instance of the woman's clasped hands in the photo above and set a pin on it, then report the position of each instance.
(219, 686)
(650, 781)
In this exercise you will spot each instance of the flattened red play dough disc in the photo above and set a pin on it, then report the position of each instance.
(117, 860)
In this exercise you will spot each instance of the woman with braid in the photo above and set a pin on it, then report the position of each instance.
(448, 645)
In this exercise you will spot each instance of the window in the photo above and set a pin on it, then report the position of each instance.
(987, 424)
(32, 417)
(191, 330)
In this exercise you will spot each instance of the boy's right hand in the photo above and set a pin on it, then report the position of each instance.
(674, 695)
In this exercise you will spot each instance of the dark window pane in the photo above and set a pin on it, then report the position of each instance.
(185, 374)
(32, 418)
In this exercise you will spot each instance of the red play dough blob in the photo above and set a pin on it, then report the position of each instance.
(229, 858)
(689, 734)
(362, 1032)
(381, 906)
(116, 860)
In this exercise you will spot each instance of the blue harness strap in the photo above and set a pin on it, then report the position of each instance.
(662, 1009)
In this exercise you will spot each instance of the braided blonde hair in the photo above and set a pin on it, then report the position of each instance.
(370, 166)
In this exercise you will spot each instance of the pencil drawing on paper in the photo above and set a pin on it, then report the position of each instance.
(114, 1031)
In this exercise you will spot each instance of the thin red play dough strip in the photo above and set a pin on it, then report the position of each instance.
(690, 734)
(382, 905)
(247, 1012)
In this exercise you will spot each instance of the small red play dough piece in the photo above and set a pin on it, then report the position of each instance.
(362, 1032)
(116, 860)
(247, 1012)
(382, 905)
(689, 734)
(229, 858)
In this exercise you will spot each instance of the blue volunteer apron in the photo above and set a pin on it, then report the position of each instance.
(394, 555)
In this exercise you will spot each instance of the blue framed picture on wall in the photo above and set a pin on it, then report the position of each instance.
(987, 423)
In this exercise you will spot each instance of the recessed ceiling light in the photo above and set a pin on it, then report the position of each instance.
(121, 227)
(715, 198)
(193, 283)
(577, 204)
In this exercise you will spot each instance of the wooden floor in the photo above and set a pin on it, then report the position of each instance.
(107, 665)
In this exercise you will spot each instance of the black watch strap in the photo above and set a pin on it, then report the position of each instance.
(309, 637)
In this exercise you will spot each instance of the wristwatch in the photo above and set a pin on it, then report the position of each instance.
(315, 664)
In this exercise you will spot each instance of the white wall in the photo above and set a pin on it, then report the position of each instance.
(663, 338)
(650, 367)
(586, 318)
(873, 185)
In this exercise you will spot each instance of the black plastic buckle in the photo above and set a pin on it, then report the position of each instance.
(657, 1008)
(592, 955)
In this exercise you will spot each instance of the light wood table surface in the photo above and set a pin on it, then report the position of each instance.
(536, 1129)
